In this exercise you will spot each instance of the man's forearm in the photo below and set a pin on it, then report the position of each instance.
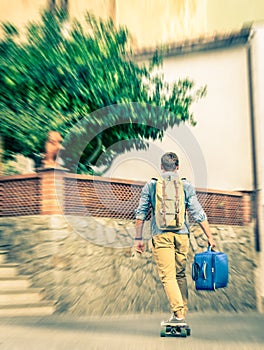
(139, 228)
(206, 229)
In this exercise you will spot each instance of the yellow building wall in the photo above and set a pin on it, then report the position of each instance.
(19, 12)
(100, 8)
(150, 22)
(224, 15)
(157, 21)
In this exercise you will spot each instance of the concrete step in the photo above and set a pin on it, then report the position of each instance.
(3, 256)
(41, 309)
(8, 270)
(14, 283)
(20, 297)
(17, 298)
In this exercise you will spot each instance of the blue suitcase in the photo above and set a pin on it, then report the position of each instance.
(210, 270)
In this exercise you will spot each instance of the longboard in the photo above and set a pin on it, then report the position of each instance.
(170, 329)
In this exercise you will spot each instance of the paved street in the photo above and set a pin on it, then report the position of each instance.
(214, 331)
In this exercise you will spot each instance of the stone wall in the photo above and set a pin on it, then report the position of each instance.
(87, 267)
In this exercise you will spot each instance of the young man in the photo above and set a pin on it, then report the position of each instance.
(170, 247)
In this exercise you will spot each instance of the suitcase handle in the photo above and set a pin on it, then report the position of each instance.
(204, 270)
(195, 271)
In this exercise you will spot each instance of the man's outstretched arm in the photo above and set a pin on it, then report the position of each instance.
(206, 229)
(138, 243)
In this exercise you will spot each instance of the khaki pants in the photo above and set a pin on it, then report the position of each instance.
(170, 252)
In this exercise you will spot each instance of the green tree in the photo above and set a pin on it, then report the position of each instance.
(51, 80)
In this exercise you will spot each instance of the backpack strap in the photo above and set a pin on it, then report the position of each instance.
(163, 202)
(177, 209)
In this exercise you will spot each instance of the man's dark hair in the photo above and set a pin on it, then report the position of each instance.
(169, 161)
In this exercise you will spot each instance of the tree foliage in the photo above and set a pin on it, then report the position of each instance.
(51, 80)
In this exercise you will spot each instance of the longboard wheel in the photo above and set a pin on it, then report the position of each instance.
(163, 331)
(183, 333)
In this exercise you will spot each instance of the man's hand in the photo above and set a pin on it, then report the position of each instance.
(211, 242)
(139, 246)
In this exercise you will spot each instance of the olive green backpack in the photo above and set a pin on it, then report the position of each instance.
(170, 203)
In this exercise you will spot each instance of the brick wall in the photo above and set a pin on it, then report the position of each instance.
(52, 192)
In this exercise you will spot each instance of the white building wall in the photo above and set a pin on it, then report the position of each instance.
(222, 134)
(223, 119)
